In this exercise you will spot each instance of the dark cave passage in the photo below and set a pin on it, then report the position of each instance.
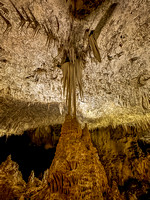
(26, 154)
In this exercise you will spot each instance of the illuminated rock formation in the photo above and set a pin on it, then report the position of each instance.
(76, 172)
(117, 169)
(124, 160)
(12, 186)
(44, 43)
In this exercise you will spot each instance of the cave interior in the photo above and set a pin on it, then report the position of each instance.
(74, 100)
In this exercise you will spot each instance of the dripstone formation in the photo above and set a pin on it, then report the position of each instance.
(117, 169)
(76, 172)
(101, 46)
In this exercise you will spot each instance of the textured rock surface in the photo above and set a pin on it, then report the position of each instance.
(121, 172)
(17, 116)
(12, 186)
(76, 172)
(124, 161)
(116, 91)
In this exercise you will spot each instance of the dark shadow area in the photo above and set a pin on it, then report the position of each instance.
(28, 156)
(139, 188)
(145, 196)
(145, 146)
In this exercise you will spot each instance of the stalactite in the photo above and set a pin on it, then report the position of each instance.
(72, 74)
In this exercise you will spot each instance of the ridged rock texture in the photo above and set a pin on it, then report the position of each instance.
(34, 36)
(126, 161)
(76, 172)
(117, 168)
(12, 185)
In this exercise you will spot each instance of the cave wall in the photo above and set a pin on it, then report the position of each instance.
(116, 90)
(125, 156)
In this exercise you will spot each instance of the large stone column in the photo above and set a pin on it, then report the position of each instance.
(76, 172)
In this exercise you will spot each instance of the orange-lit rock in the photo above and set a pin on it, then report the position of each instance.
(12, 186)
(124, 161)
(120, 172)
(76, 172)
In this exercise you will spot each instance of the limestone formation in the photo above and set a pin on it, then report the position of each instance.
(117, 167)
(12, 186)
(32, 49)
(124, 161)
(107, 44)
(76, 172)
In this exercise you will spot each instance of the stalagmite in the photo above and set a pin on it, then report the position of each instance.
(76, 161)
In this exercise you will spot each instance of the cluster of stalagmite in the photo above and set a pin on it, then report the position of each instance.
(75, 173)
(115, 170)
(12, 186)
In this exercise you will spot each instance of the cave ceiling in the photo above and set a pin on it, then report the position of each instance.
(34, 38)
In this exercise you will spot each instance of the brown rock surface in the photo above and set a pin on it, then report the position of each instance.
(120, 172)
(76, 172)
(12, 186)
(123, 159)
